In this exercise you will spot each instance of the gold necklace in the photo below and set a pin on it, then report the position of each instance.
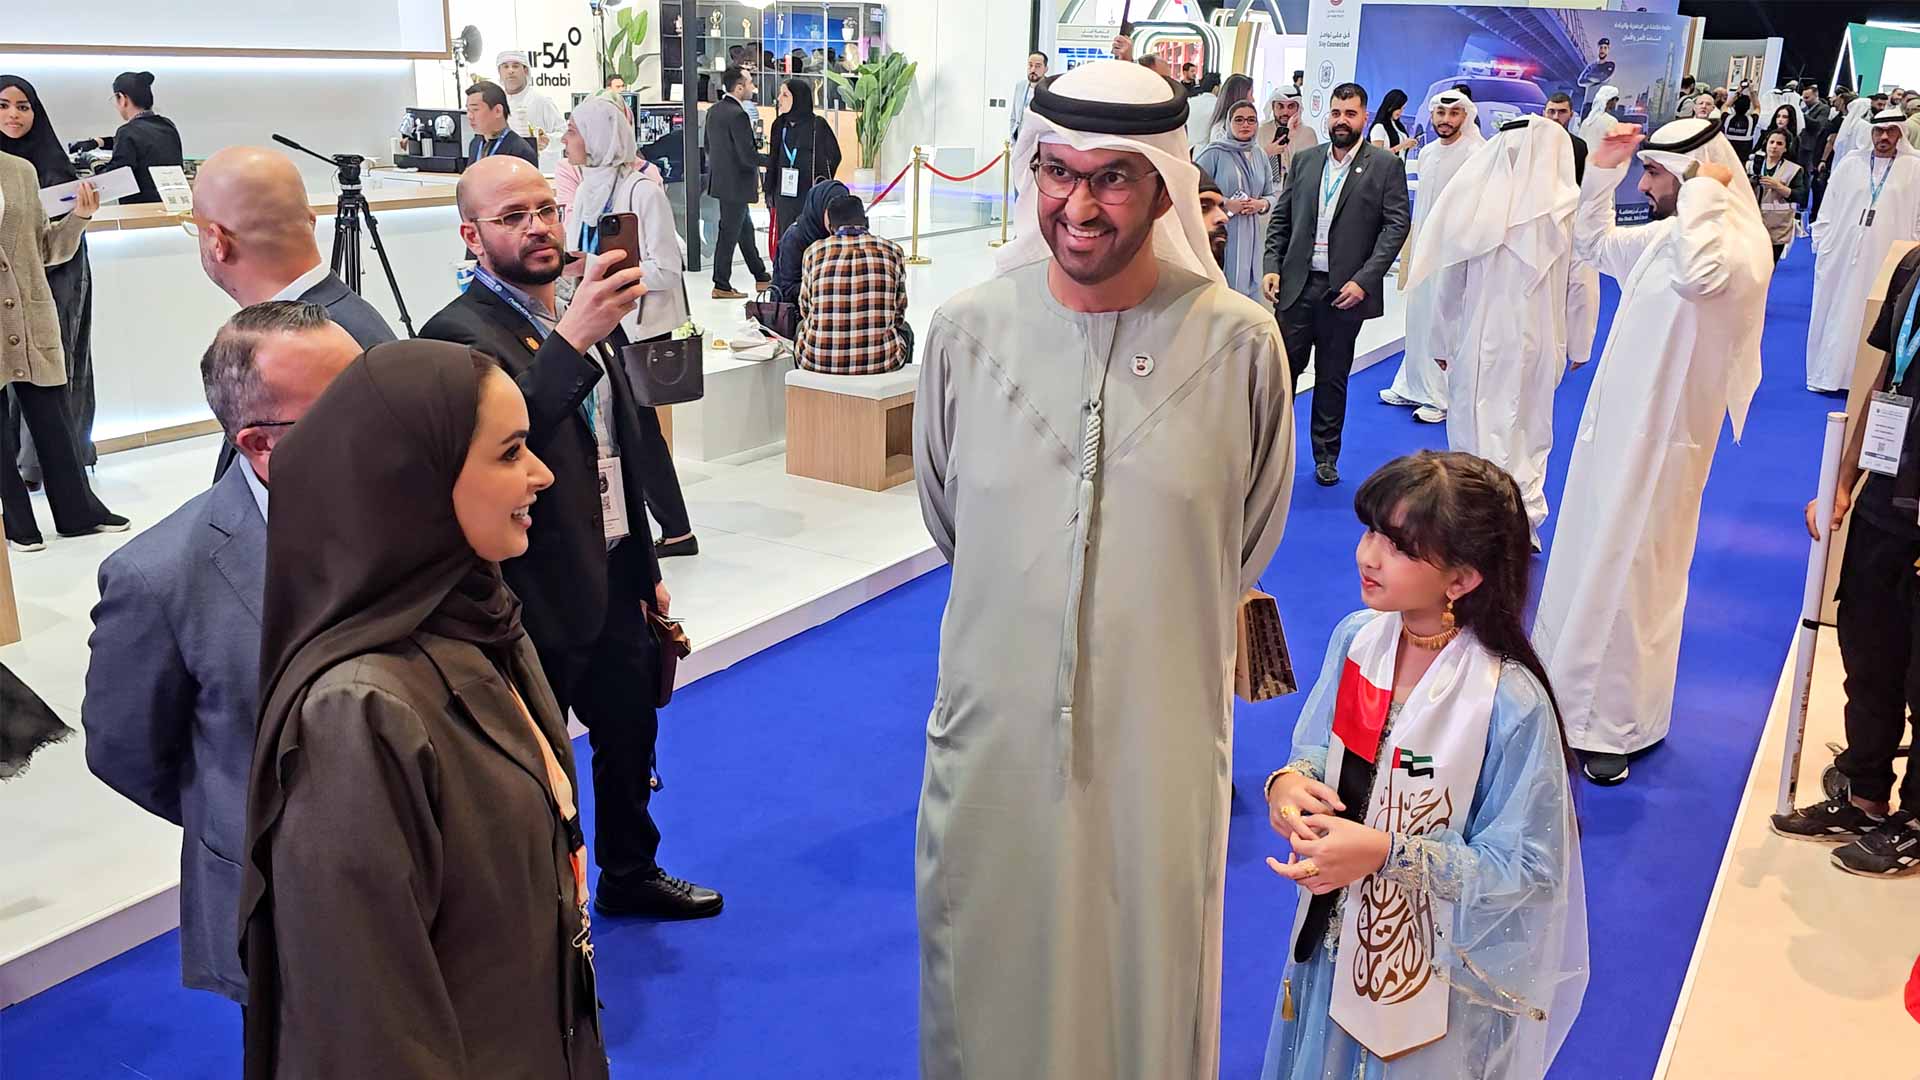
(1434, 642)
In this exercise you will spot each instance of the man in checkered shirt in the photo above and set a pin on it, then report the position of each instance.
(853, 298)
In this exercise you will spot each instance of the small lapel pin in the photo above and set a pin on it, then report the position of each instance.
(1143, 365)
(532, 345)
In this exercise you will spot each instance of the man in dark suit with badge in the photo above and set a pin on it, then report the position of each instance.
(585, 584)
(1340, 223)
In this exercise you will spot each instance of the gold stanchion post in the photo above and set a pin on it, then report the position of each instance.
(917, 259)
(1006, 193)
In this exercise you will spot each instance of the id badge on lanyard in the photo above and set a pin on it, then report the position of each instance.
(613, 500)
(1885, 431)
(790, 176)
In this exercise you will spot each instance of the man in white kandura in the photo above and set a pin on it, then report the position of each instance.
(530, 113)
(1420, 383)
(1873, 200)
(1684, 352)
(1104, 444)
(1583, 281)
(1497, 259)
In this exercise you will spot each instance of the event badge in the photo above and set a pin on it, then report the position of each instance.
(613, 500)
(1866, 217)
(789, 183)
(1885, 433)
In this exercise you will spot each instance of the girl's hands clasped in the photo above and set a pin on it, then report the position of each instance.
(1339, 853)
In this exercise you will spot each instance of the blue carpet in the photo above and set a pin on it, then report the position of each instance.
(792, 780)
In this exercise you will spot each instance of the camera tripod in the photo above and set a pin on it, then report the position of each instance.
(351, 210)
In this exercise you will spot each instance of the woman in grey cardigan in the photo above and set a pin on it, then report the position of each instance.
(33, 364)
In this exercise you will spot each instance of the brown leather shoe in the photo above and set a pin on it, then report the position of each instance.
(728, 294)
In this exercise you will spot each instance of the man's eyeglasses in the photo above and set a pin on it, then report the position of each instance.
(1110, 186)
(267, 423)
(519, 220)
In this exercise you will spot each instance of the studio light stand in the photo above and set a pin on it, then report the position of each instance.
(347, 217)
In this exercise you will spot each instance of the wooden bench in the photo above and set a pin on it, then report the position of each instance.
(855, 430)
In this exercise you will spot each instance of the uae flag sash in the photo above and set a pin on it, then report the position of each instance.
(1387, 990)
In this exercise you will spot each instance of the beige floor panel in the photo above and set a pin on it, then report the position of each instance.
(1800, 967)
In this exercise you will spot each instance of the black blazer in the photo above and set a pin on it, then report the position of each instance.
(563, 578)
(1579, 159)
(512, 143)
(1370, 220)
(732, 158)
(147, 140)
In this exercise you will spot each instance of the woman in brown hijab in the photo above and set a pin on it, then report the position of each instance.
(415, 901)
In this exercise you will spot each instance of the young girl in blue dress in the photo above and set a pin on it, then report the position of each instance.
(1441, 929)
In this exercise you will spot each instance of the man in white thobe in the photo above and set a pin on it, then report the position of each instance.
(530, 113)
(1684, 352)
(1583, 280)
(1420, 383)
(1104, 448)
(1873, 200)
(1497, 259)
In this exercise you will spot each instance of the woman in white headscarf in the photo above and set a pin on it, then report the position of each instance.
(1245, 176)
(566, 175)
(1599, 120)
(599, 141)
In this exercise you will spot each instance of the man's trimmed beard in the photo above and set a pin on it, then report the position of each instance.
(1342, 136)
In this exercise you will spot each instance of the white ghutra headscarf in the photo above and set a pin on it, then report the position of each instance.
(1516, 191)
(1679, 146)
(1113, 105)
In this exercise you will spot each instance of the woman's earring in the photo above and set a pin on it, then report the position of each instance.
(1446, 618)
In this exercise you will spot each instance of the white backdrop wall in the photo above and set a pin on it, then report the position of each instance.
(334, 106)
(970, 52)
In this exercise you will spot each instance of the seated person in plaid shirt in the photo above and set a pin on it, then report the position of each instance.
(853, 298)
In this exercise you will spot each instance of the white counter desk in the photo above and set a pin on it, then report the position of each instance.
(154, 310)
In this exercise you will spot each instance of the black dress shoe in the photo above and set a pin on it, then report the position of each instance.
(1325, 474)
(658, 895)
(1604, 769)
(664, 550)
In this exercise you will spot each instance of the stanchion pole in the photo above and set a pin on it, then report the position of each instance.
(1006, 193)
(1810, 598)
(917, 259)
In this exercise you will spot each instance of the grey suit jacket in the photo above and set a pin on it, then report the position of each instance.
(355, 316)
(173, 698)
(1370, 220)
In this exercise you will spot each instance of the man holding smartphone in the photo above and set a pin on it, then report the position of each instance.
(584, 583)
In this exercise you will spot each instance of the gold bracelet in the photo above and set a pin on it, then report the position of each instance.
(1266, 791)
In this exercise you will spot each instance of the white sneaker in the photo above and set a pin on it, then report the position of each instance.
(1428, 414)
(37, 545)
(1388, 397)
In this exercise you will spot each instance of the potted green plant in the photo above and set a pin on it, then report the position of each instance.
(878, 91)
(620, 54)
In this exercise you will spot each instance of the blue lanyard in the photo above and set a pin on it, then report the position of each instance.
(590, 234)
(793, 158)
(1877, 186)
(481, 275)
(495, 148)
(1907, 346)
(1330, 193)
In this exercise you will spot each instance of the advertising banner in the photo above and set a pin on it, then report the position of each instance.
(1511, 59)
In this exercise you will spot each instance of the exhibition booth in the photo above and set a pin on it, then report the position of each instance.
(782, 552)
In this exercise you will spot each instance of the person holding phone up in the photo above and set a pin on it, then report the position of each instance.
(586, 584)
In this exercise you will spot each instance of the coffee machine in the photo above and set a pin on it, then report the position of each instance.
(436, 140)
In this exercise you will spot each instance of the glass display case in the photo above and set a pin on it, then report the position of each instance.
(789, 37)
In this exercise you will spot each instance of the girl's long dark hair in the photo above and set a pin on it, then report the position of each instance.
(1457, 510)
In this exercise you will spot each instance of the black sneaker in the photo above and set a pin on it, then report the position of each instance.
(658, 895)
(1835, 821)
(1891, 850)
(1604, 769)
(688, 546)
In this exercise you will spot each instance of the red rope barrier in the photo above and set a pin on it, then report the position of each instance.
(888, 190)
(971, 175)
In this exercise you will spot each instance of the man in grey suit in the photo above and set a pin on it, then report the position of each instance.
(255, 225)
(1341, 221)
(173, 682)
